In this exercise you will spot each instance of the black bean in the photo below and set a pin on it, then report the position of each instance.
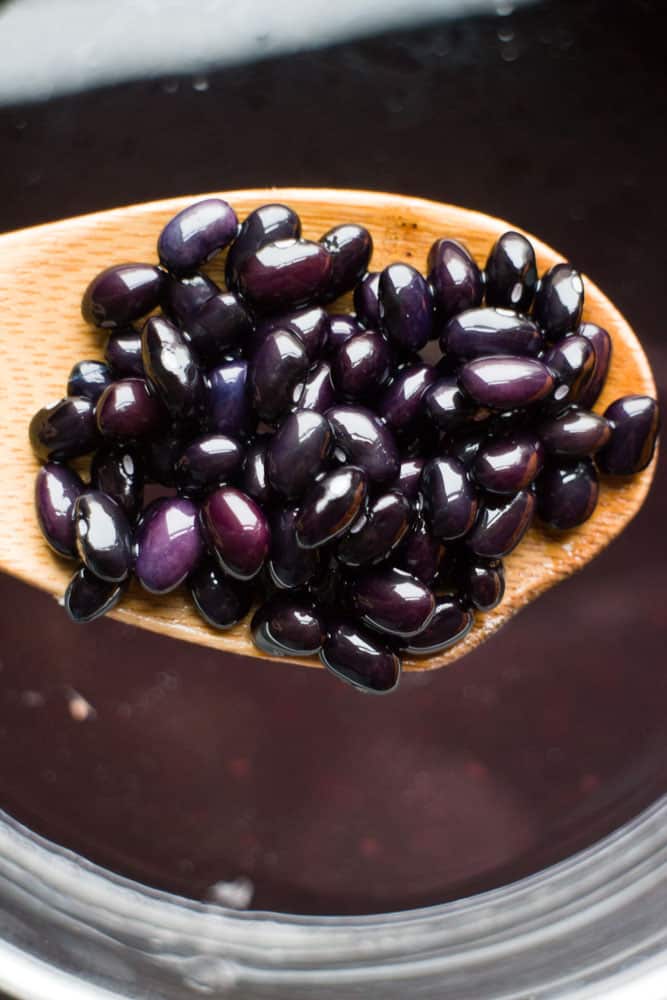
(450, 499)
(238, 531)
(121, 294)
(89, 379)
(253, 477)
(356, 656)
(128, 409)
(227, 400)
(506, 382)
(366, 304)
(264, 225)
(567, 494)
(575, 433)
(182, 298)
(509, 464)
(635, 421)
(288, 625)
(392, 601)
(450, 623)
(171, 368)
(168, 544)
(501, 525)
(365, 441)
(118, 471)
(123, 353)
(196, 234)
(478, 333)
(290, 565)
(219, 599)
(421, 553)
(66, 429)
(342, 326)
(285, 275)
(103, 536)
(350, 247)
(401, 403)
(362, 365)
(56, 490)
(317, 392)
(405, 305)
(572, 362)
(483, 583)
(297, 453)
(455, 278)
(559, 301)
(218, 326)
(310, 326)
(277, 368)
(330, 506)
(376, 532)
(601, 342)
(87, 597)
(207, 461)
(449, 408)
(511, 273)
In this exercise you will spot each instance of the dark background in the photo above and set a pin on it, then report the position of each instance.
(554, 118)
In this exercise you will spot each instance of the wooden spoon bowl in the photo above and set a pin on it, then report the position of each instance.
(43, 272)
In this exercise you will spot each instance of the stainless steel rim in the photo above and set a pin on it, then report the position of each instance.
(600, 917)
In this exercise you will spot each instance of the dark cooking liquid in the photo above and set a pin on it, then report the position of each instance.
(183, 768)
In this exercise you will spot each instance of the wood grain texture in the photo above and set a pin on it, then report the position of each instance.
(43, 272)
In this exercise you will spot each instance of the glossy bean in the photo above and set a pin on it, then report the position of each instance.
(365, 441)
(567, 494)
(288, 625)
(635, 422)
(450, 499)
(421, 554)
(362, 366)
(450, 623)
(559, 301)
(160, 454)
(118, 471)
(405, 305)
(330, 506)
(479, 333)
(265, 224)
(501, 525)
(103, 536)
(449, 408)
(455, 278)
(168, 544)
(376, 532)
(123, 353)
(575, 433)
(227, 400)
(196, 234)
(509, 464)
(66, 429)
(483, 583)
(572, 363)
(409, 477)
(511, 273)
(350, 247)
(290, 565)
(128, 409)
(297, 452)
(253, 477)
(171, 368)
(56, 491)
(220, 600)
(279, 365)
(366, 303)
(356, 656)
(317, 392)
(87, 597)
(602, 347)
(465, 445)
(219, 325)
(182, 298)
(401, 405)
(89, 379)
(207, 461)
(342, 326)
(285, 275)
(392, 601)
(238, 531)
(310, 326)
(122, 293)
(506, 382)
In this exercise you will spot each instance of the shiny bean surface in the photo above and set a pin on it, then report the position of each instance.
(227, 400)
(362, 366)
(409, 477)
(123, 353)
(455, 278)
(238, 530)
(122, 293)
(478, 333)
(405, 305)
(350, 247)
(87, 597)
(635, 421)
(288, 625)
(196, 234)
(450, 499)
(572, 363)
(450, 623)
(602, 348)
(168, 544)
(265, 224)
(285, 275)
(317, 392)
(128, 409)
(290, 565)
(365, 441)
(297, 453)
(449, 408)
(89, 379)
(401, 404)
(501, 525)
(376, 532)
(103, 536)
(56, 490)
(509, 464)
(559, 301)
(279, 365)
(366, 303)
(567, 494)
(220, 600)
(182, 298)
(208, 461)
(310, 326)
(253, 478)
(483, 583)
(118, 471)
(160, 454)
(353, 654)
(392, 601)
(66, 429)
(511, 273)
(330, 506)
(171, 368)
(506, 382)
(219, 325)
(342, 326)
(575, 433)
(421, 554)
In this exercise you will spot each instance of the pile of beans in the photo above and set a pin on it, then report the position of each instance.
(315, 464)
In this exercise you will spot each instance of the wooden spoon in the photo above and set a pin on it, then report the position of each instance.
(43, 272)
